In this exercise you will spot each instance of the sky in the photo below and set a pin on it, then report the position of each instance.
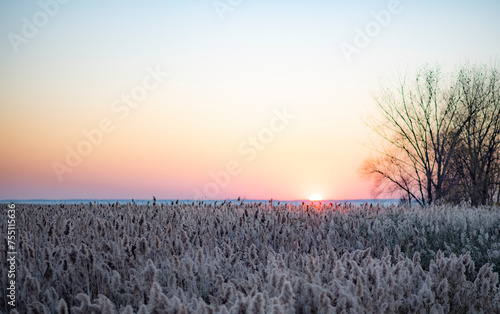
(211, 99)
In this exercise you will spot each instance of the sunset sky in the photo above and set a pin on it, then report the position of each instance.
(261, 99)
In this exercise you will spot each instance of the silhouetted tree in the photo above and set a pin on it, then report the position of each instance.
(440, 137)
(477, 156)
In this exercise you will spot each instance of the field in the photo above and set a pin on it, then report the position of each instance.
(254, 258)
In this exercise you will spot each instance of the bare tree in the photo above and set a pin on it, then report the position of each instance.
(477, 157)
(421, 123)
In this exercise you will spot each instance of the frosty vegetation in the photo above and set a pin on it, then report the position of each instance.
(255, 258)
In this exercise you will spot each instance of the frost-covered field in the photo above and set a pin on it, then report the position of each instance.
(258, 259)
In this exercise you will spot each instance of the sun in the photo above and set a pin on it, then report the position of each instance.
(315, 197)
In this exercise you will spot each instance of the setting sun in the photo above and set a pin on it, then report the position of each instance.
(315, 197)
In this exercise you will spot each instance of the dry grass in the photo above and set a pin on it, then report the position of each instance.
(255, 258)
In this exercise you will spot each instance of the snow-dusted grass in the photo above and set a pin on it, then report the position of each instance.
(255, 258)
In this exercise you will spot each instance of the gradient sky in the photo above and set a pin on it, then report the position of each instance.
(227, 77)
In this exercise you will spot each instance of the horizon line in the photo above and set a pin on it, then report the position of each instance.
(193, 200)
